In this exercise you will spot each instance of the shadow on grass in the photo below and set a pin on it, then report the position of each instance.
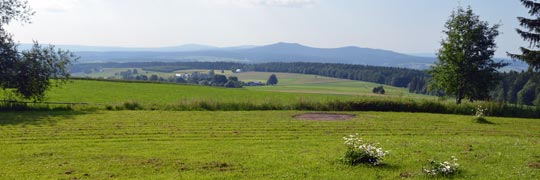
(483, 121)
(382, 166)
(36, 117)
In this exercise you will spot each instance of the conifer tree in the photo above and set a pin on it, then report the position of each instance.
(531, 34)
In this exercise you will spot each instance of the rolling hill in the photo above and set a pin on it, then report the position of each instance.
(279, 52)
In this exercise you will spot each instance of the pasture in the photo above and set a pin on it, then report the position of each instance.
(257, 145)
(288, 82)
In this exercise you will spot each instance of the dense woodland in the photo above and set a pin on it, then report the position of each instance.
(514, 87)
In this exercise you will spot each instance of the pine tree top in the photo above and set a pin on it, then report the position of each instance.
(534, 7)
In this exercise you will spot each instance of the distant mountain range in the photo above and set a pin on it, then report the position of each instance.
(279, 52)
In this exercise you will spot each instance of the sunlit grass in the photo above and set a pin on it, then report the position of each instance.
(256, 145)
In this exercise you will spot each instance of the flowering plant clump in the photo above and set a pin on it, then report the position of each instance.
(442, 168)
(360, 152)
(480, 112)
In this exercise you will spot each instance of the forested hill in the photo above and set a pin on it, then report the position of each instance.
(278, 52)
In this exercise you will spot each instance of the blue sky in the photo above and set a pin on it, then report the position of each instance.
(407, 26)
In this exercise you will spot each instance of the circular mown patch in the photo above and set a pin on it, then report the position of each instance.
(324, 116)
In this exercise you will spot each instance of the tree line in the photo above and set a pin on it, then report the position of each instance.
(399, 77)
(513, 87)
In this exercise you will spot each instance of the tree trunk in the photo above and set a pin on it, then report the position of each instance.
(459, 95)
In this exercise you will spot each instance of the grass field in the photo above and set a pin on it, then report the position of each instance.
(302, 83)
(116, 92)
(114, 95)
(256, 145)
(289, 82)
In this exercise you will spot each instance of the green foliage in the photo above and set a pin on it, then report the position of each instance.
(28, 73)
(219, 80)
(153, 77)
(164, 69)
(14, 10)
(131, 105)
(528, 94)
(530, 34)
(359, 152)
(465, 68)
(37, 67)
(378, 90)
(233, 82)
(436, 168)
(272, 80)
(233, 78)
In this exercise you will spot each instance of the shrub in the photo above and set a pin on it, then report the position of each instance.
(359, 152)
(379, 90)
(480, 112)
(132, 105)
(445, 168)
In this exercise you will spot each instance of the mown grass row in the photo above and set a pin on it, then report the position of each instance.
(384, 105)
(257, 145)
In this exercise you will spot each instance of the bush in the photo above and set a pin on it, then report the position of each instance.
(132, 105)
(379, 90)
(359, 152)
(445, 168)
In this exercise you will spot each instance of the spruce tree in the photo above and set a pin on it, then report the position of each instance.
(531, 34)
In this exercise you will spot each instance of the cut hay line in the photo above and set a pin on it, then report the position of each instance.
(324, 116)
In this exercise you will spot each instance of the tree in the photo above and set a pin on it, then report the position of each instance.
(154, 77)
(465, 68)
(528, 94)
(180, 80)
(272, 80)
(219, 80)
(28, 73)
(531, 34)
(233, 78)
(379, 90)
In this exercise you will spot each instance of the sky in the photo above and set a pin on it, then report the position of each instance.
(406, 26)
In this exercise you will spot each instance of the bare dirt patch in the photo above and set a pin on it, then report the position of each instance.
(324, 116)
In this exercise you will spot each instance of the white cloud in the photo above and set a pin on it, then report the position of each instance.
(55, 6)
(277, 3)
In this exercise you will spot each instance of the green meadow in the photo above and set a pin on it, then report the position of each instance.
(313, 84)
(257, 145)
(288, 82)
(224, 135)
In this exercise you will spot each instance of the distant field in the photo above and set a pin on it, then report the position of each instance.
(302, 83)
(290, 82)
(256, 145)
(159, 93)
(110, 72)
